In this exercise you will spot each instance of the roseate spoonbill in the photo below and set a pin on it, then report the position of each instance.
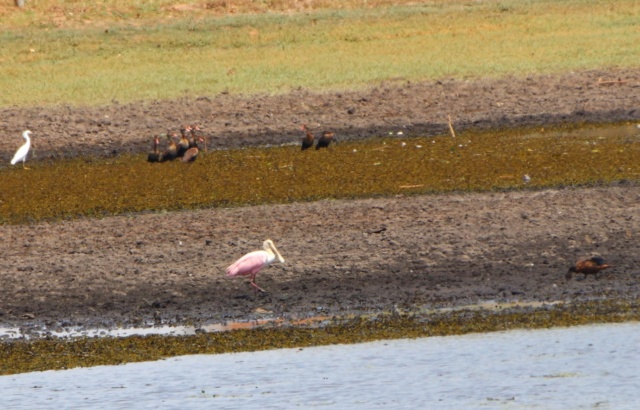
(325, 140)
(307, 141)
(183, 144)
(589, 266)
(251, 263)
(172, 150)
(21, 153)
(154, 156)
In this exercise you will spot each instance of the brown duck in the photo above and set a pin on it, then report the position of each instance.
(192, 153)
(183, 144)
(154, 156)
(325, 140)
(307, 141)
(171, 152)
(591, 266)
(192, 140)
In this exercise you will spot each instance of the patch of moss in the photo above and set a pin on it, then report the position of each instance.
(24, 356)
(381, 166)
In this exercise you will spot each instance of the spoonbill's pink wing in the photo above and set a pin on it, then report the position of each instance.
(249, 264)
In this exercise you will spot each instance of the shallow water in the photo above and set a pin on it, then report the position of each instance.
(578, 367)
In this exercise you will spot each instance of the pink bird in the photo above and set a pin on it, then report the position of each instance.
(251, 263)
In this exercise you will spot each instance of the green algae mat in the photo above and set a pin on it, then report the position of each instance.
(385, 166)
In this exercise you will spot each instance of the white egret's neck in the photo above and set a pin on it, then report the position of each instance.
(25, 135)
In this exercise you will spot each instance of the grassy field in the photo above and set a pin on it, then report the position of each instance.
(80, 52)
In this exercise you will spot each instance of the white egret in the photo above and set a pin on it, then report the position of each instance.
(21, 154)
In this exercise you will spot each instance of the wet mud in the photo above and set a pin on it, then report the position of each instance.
(342, 256)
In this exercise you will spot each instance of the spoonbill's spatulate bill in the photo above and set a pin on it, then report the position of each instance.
(251, 263)
(21, 154)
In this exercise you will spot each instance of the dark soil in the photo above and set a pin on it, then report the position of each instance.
(341, 256)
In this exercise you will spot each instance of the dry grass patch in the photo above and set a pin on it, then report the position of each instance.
(136, 59)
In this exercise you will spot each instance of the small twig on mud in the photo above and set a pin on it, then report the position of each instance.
(411, 186)
(453, 133)
(610, 82)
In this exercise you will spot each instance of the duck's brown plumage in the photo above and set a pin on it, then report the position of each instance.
(193, 141)
(183, 144)
(307, 141)
(325, 140)
(171, 152)
(591, 266)
(192, 153)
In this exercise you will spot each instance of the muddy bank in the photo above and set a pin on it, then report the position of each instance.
(414, 108)
(341, 257)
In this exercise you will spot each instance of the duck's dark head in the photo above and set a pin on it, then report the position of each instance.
(570, 273)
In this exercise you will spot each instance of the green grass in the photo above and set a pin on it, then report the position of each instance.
(471, 162)
(129, 60)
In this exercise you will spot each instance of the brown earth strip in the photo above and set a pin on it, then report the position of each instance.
(341, 257)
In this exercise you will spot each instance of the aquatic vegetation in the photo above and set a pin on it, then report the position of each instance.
(54, 353)
(381, 166)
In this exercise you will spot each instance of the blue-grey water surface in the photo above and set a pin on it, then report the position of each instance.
(562, 368)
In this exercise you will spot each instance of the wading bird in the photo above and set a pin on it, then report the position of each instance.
(154, 156)
(251, 263)
(307, 141)
(325, 140)
(21, 153)
(589, 266)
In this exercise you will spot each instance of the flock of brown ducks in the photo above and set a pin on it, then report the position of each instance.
(323, 142)
(186, 148)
